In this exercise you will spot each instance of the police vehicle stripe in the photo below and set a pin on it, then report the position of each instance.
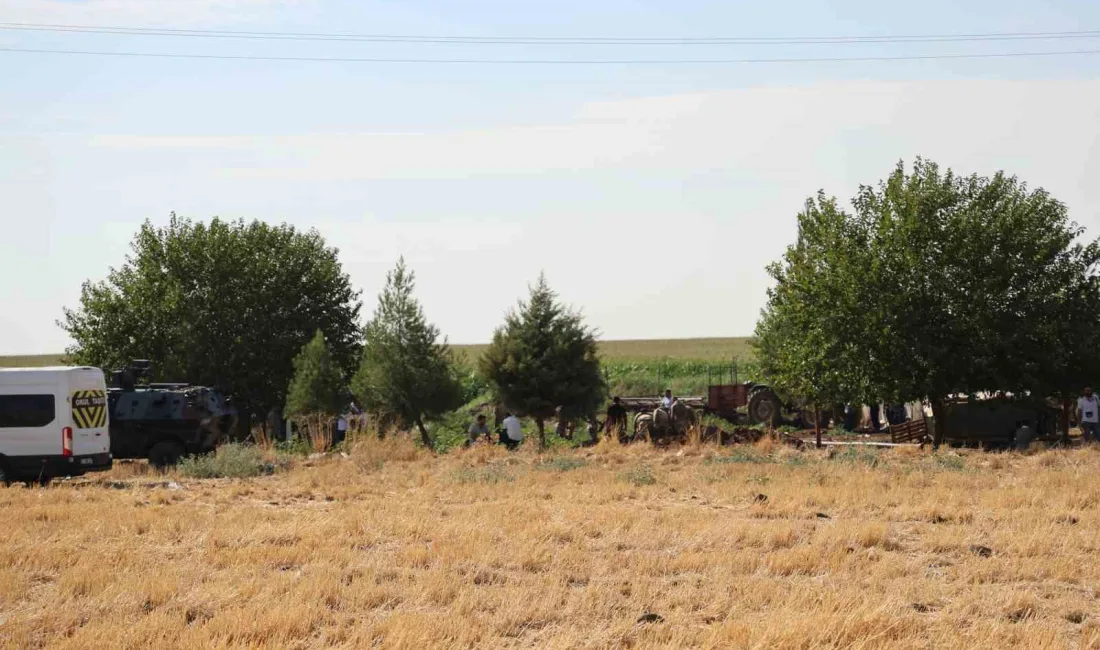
(90, 416)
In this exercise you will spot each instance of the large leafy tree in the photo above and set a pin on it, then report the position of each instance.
(406, 371)
(544, 358)
(798, 341)
(964, 285)
(318, 383)
(225, 303)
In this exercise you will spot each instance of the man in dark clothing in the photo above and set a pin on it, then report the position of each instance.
(876, 424)
(616, 417)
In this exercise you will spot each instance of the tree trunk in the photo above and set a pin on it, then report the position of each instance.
(817, 425)
(424, 437)
(1067, 409)
(542, 433)
(939, 413)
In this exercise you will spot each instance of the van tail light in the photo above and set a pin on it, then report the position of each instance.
(67, 441)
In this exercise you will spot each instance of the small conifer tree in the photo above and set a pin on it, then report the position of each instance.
(544, 358)
(317, 386)
(406, 371)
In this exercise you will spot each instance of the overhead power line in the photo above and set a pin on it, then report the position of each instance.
(914, 57)
(548, 40)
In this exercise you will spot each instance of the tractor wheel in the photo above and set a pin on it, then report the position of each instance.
(764, 408)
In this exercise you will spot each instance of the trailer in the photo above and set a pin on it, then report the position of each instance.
(738, 403)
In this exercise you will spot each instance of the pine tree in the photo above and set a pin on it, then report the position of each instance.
(317, 386)
(406, 372)
(544, 358)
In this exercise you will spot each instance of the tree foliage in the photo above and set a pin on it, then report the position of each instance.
(227, 303)
(936, 285)
(406, 371)
(318, 384)
(544, 358)
(798, 341)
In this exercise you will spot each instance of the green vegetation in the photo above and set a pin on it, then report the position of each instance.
(224, 303)
(936, 285)
(229, 461)
(317, 386)
(562, 463)
(632, 367)
(489, 475)
(32, 360)
(719, 350)
(638, 475)
(544, 358)
(406, 372)
(633, 378)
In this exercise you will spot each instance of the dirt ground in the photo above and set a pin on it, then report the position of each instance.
(744, 547)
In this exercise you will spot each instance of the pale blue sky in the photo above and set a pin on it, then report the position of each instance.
(652, 196)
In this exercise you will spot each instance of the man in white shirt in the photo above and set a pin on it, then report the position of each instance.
(513, 432)
(1088, 414)
(666, 401)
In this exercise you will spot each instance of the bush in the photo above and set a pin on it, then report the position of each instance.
(741, 456)
(490, 475)
(857, 455)
(640, 475)
(229, 461)
(562, 464)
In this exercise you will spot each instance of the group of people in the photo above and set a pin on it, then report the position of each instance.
(511, 431)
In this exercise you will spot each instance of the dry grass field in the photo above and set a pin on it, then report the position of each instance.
(760, 547)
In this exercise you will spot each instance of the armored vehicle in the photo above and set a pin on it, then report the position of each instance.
(165, 421)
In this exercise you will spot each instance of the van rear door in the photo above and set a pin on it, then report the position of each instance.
(88, 412)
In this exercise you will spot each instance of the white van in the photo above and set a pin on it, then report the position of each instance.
(53, 422)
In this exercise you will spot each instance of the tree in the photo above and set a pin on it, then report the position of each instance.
(797, 340)
(947, 286)
(544, 358)
(318, 384)
(406, 372)
(227, 303)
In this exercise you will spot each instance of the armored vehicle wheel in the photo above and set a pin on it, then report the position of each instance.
(764, 407)
(166, 453)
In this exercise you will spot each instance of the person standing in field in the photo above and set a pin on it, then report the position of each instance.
(667, 400)
(616, 417)
(1088, 414)
(341, 429)
(479, 428)
(512, 435)
(1024, 435)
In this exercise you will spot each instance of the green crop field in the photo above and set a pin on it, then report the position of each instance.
(30, 361)
(712, 349)
(633, 368)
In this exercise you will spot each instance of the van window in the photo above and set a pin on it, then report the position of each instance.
(26, 411)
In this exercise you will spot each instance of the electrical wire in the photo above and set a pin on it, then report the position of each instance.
(549, 40)
(243, 57)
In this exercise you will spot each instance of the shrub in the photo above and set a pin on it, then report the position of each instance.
(741, 456)
(857, 455)
(229, 461)
(951, 463)
(490, 475)
(640, 475)
(562, 464)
